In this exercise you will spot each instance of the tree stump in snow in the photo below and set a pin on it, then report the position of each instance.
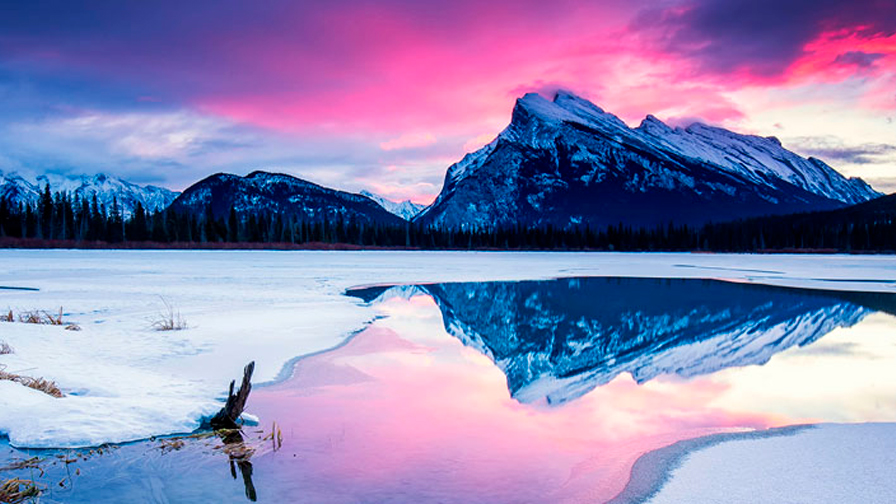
(236, 402)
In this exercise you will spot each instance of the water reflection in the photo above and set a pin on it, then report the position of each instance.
(556, 340)
(238, 454)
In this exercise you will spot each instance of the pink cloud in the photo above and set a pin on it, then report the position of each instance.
(409, 141)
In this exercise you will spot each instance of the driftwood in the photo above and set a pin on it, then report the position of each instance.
(236, 402)
(225, 423)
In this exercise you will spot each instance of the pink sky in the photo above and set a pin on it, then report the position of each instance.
(385, 95)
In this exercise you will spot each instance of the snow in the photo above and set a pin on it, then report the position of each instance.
(20, 189)
(405, 209)
(125, 381)
(760, 159)
(827, 463)
(567, 107)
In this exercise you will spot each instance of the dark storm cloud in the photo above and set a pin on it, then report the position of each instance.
(761, 36)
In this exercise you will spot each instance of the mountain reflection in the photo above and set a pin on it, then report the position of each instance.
(556, 340)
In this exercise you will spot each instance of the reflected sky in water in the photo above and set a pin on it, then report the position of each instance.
(535, 391)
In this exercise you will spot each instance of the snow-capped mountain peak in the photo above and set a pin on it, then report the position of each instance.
(535, 110)
(406, 209)
(584, 109)
(18, 189)
(567, 162)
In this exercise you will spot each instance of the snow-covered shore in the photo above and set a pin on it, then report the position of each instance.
(825, 463)
(125, 381)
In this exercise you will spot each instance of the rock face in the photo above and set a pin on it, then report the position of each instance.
(18, 189)
(263, 193)
(556, 340)
(568, 163)
(406, 209)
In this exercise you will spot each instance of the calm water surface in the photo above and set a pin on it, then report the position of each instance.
(541, 391)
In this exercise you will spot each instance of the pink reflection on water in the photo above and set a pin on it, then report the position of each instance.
(391, 414)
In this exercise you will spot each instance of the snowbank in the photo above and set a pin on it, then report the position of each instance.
(125, 381)
(826, 463)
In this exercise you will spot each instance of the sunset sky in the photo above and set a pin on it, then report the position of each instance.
(385, 94)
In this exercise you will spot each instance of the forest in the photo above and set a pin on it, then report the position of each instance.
(57, 220)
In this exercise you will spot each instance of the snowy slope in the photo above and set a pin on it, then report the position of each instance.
(761, 159)
(567, 162)
(18, 189)
(406, 209)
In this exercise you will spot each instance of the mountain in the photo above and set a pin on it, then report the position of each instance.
(556, 340)
(406, 209)
(566, 162)
(18, 189)
(272, 193)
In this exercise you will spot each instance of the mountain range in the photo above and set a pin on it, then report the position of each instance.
(564, 163)
(17, 189)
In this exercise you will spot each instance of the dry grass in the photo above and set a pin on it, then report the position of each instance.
(5, 349)
(16, 490)
(40, 317)
(276, 437)
(168, 318)
(29, 463)
(46, 386)
(34, 317)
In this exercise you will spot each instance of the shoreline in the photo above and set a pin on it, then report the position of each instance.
(653, 470)
(822, 462)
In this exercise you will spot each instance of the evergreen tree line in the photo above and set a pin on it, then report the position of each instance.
(59, 217)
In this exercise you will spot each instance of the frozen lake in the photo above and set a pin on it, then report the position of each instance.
(466, 382)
